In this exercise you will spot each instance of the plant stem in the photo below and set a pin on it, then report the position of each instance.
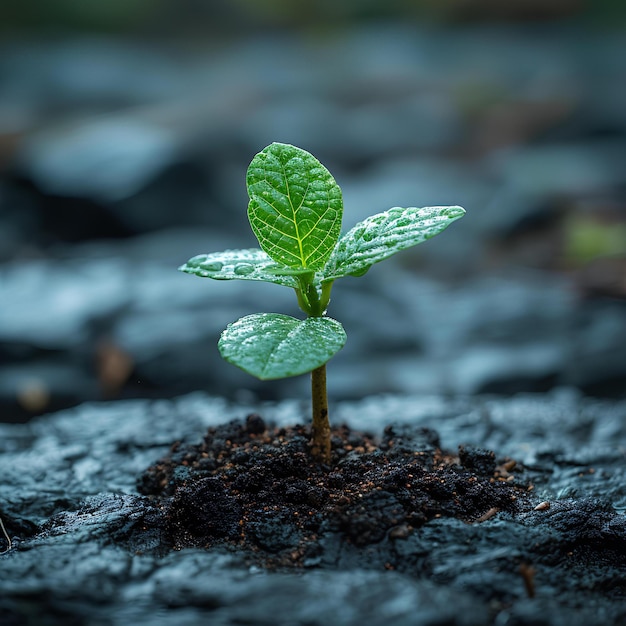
(321, 425)
(314, 303)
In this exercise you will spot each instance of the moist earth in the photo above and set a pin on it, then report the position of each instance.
(236, 524)
(259, 488)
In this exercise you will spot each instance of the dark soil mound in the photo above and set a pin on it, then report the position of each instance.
(469, 542)
(259, 488)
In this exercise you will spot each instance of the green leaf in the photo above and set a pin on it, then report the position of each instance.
(295, 207)
(379, 236)
(252, 264)
(270, 345)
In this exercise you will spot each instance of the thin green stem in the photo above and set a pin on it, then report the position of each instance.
(325, 297)
(314, 303)
(302, 301)
(321, 424)
(311, 300)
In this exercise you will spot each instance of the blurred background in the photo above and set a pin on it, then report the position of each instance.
(126, 128)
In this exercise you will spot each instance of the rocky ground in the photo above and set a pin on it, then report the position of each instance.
(121, 158)
(522, 126)
(88, 549)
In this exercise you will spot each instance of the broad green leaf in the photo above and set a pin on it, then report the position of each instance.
(379, 236)
(295, 207)
(252, 264)
(271, 345)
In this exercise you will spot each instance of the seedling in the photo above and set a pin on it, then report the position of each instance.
(295, 211)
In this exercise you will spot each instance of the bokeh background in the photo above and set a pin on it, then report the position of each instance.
(126, 128)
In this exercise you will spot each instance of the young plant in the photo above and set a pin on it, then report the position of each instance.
(295, 211)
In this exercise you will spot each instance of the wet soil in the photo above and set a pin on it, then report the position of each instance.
(259, 488)
(240, 526)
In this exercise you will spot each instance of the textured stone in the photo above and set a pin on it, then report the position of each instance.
(86, 546)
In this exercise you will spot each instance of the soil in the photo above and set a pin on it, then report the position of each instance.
(242, 527)
(259, 489)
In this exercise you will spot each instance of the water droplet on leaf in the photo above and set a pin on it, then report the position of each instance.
(214, 266)
(243, 269)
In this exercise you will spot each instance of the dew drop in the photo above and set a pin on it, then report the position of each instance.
(244, 269)
(214, 266)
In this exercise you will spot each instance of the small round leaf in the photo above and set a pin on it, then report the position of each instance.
(295, 207)
(271, 345)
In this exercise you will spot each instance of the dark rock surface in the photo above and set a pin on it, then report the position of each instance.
(497, 332)
(120, 159)
(85, 546)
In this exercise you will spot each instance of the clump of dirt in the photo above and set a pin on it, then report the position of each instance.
(259, 488)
